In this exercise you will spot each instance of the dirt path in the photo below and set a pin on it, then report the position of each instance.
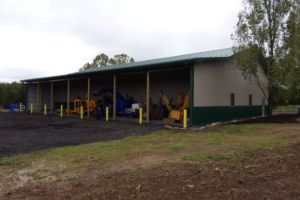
(22, 132)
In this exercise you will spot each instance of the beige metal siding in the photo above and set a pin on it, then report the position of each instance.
(215, 81)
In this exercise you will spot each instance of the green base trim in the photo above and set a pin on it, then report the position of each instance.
(207, 115)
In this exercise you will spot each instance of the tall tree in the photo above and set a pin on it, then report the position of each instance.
(264, 36)
(103, 60)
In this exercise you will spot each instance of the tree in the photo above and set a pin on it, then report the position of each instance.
(121, 59)
(265, 35)
(12, 93)
(85, 66)
(103, 60)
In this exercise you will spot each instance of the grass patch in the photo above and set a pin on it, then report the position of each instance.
(218, 138)
(240, 156)
(287, 108)
(71, 178)
(176, 146)
(245, 128)
(193, 157)
(198, 157)
(36, 176)
(268, 143)
(10, 161)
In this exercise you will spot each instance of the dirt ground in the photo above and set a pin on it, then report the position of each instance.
(271, 173)
(22, 132)
(265, 174)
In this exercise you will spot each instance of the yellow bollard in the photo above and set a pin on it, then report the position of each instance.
(141, 115)
(61, 110)
(107, 113)
(20, 106)
(81, 113)
(184, 118)
(31, 108)
(45, 109)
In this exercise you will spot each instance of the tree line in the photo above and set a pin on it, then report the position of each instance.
(12, 93)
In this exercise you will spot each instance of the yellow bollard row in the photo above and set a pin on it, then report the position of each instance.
(61, 110)
(45, 109)
(31, 108)
(20, 106)
(81, 112)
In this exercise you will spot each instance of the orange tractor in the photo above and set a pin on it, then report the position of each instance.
(80, 102)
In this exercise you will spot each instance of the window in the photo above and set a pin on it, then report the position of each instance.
(232, 99)
(250, 99)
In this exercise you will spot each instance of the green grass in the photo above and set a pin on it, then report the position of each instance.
(268, 143)
(176, 146)
(193, 157)
(36, 176)
(73, 160)
(198, 157)
(245, 128)
(218, 138)
(286, 108)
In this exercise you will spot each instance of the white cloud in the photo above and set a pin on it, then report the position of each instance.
(57, 37)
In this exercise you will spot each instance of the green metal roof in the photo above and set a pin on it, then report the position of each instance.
(143, 65)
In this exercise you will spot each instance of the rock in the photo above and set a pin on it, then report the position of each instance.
(138, 187)
(190, 186)
(241, 181)
(218, 170)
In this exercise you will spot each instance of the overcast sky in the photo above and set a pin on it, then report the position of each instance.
(40, 38)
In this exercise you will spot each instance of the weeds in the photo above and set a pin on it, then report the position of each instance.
(197, 157)
(36, 176)
(176, 146)
(240, 156)
(268, 143)
(245, 129)
(218, 139)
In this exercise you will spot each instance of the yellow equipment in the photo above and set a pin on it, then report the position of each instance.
(176, 113)
(78, 103)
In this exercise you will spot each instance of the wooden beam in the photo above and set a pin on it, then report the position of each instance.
(68, 98)
(37, 97)
(51, 97)
(88, 104)
(115, 98)
(148, 97)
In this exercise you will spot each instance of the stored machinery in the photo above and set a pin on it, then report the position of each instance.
(79, 102)
(181, 104)
(123, 106)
